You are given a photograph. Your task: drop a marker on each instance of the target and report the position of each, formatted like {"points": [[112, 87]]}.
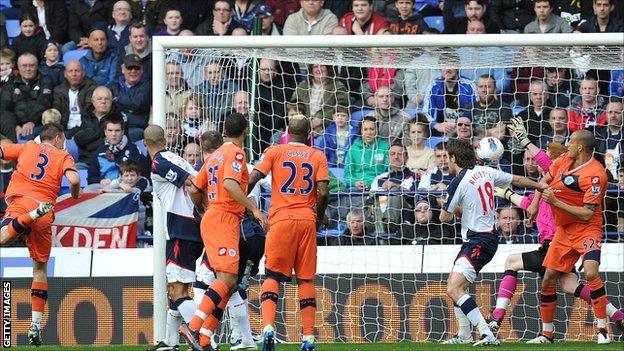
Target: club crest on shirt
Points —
{"points": [[232, 252], [595, 190], [568, 180], [171, 176], [237, 166]]}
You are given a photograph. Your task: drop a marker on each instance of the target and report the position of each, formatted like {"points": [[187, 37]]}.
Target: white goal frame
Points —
{"points": [[161, 43]]}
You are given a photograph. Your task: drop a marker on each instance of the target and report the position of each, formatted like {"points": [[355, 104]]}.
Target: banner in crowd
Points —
{"points": [[351, 308], [97, 221]]}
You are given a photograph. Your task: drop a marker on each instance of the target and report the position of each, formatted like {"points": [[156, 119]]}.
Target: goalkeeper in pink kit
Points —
{"points": [[532, 260]]}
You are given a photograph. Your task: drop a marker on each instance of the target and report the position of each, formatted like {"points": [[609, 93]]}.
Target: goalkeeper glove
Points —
{"points": [[503, 193], [518, 131]]}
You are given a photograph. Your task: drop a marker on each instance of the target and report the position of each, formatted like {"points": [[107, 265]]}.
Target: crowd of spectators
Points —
{"points": [[383, 129]]}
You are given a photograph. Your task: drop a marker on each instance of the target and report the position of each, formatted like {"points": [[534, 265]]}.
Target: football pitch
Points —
{"points": [[568, 346]]}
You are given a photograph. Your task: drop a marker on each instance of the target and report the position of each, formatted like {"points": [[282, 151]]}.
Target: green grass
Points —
{"points": [[568, 346]]}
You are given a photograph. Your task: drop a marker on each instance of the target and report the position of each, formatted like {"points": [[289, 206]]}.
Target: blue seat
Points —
{"points": [[436, 22], [433, 141], [73, 55], [72, 148], [12, 28], [412, 111], [357, 116], [338, 172], [83, 180], [141, 146]]}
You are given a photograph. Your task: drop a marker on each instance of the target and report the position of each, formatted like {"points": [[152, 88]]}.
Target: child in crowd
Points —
{"points": [[52, 65], [316, 125], [192, 117], [420, 156], [173, 22], [130, 181], [48, 116], [7, 62], [337, 138], [31, 38]]}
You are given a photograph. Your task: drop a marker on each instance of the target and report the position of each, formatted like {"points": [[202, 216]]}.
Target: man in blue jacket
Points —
{"points": [[99, 63], [132, 94], [445, 98]]}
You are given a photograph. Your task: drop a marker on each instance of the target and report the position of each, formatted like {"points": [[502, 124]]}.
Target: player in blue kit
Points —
{"points": [[171, 174], [471, 196]]}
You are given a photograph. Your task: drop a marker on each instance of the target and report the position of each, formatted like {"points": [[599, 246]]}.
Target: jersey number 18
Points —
{"points": [[487, 198]]}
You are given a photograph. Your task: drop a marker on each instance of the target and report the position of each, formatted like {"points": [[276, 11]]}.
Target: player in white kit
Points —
{"points": [[471, 196]]}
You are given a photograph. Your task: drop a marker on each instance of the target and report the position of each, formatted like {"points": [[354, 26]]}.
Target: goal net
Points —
{"points": [[386, 281]]}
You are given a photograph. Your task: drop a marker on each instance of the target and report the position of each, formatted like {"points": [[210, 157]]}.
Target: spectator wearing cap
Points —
{"points": [[265, 12], [141, 45], [73, 97], [282, 9], [85, 16], [362, 20], [312, 19], [53, 18], [99, 63], [221, 22], [133, 96], [119, 31]]}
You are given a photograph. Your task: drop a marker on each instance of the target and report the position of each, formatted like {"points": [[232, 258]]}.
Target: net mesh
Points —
{"points": [[392, 287]]}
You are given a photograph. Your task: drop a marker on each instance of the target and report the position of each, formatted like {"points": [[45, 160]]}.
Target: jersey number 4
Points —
{"points": [[488, 198], [287, 187], [41, 167]]}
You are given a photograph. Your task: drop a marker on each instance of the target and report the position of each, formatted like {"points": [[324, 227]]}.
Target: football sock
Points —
{"points": [[307, 307], [582, 291], [465, 330], [239, 316], [38, 298], [270, 290], [598, 298], [548, 305], [211, 323], [174, 320], [469, 306], [217, 291], [187, 308], [199, 289], [506, 291]]}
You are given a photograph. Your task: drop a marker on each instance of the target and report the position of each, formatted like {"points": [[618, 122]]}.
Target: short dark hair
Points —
{"points": [[114, 118], [27, 16], [50, 131], [463, 151], [235, 125], [129, 166], [443, 146], [138, 25], [367, 119], [211, 140], [550, 3], [420, 120], [480, 2]]}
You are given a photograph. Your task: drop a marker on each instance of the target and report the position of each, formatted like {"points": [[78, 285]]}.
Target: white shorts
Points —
{"points": [[178, 274], [464, 267]]}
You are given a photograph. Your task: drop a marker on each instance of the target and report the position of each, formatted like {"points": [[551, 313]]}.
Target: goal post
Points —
{"points": [[508, 50]]}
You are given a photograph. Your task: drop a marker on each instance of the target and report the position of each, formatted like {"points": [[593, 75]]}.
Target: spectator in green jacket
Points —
{"points": [[367, 157]]}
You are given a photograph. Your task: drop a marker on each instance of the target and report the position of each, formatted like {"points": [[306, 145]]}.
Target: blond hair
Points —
{"points": [[50, 115]]}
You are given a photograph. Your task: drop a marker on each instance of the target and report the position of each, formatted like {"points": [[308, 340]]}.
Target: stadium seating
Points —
{"points": [[357, 116], [436, 22], [13, 29], [73, 55], [433, 141], [141, 146], [72, 148]]}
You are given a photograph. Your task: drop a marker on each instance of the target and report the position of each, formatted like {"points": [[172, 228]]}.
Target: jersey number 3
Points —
{"points": [[41, 167], [307, 178], [489, 196]]}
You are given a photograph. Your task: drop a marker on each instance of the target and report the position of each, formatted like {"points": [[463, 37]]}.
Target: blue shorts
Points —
{"points": [[183, 253], [475, 254]]}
